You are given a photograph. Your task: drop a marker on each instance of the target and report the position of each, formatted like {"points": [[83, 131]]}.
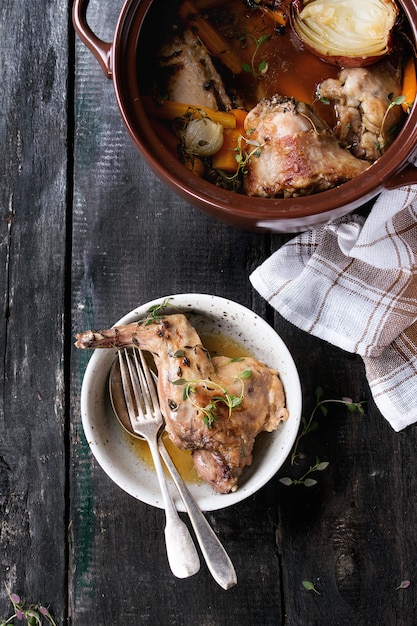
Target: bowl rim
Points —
{"points": [[100, 425]]}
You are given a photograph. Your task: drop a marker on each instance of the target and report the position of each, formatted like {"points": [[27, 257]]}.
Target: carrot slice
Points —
{"points": [[224, 159], [169, 110], [240, 115], [409, 85], [276, 16], [214, 41]]}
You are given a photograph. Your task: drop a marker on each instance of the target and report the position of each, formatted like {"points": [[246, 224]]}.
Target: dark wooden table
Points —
{"points": [[87, 234]]}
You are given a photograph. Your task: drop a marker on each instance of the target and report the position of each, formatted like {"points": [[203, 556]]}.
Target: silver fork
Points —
{"points": [[217, 559], [146, 419]]}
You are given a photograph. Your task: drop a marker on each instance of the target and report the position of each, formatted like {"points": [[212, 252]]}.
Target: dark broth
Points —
{"points": [[292, 71]]}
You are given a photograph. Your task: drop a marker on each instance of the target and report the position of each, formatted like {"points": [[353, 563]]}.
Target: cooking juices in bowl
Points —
{"points": [[216, 344], [242, 57]]}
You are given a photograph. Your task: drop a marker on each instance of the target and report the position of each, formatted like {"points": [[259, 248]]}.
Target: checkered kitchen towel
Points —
{"points": [[353, 283]]}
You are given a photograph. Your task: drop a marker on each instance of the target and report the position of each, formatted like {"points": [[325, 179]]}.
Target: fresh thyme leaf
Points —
{"points": [[263, 65], [309, 586], [242, 158], [209, 411], [154, 310], [235, 401], [178, 354], [263, 39], [251, 142], [319, 393], [403, 585], [33, 614], [398, 100], [308, 426], [323, 409]]}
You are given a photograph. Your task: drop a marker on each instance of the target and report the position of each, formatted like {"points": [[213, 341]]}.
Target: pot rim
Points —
{"points": [[349, 195]]}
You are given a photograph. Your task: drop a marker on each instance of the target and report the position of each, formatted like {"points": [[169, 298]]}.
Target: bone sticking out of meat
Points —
{"points": [[293, 152], [189, 75], [361, 98], [221, 451]]}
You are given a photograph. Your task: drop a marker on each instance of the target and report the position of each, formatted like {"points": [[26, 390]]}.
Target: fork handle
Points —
{"points": [[181, 551], [216, 557]]}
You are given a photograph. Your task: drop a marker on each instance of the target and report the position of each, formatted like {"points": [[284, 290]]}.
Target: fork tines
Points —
{"points": [[138, 386]]}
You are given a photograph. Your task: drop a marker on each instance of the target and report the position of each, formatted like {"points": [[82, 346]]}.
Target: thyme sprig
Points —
{"points": [[242, 157], [309, 426], [306, 479], [154, 311], [392, 103], [263, 65], [209, 412], [34, 614]]}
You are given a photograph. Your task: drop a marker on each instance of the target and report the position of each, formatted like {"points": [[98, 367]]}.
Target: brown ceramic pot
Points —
{"points": [[121, 62]]}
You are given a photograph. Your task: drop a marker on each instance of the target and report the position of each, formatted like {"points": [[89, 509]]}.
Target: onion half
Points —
{"points": [[345, 32]]}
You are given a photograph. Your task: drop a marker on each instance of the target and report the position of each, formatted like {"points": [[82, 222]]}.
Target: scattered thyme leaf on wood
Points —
{"points": [[309, 586], [309, 426], [34, 614], [306, 480], [404, 584]]}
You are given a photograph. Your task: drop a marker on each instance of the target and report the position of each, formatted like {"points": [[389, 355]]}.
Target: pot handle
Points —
{"points": [[101, 49], [407, 176]]}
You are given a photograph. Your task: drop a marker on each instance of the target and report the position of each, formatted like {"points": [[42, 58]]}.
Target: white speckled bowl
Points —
{"points": [[210, 315]]}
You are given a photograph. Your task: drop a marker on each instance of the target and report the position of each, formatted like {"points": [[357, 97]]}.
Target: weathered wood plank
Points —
{"points": [[351, 534], [33, 191], [133, 240]]}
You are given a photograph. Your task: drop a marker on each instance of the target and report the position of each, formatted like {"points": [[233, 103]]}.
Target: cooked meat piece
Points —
{"points": [[220, 459], [221, 451], [361, 99], [189, 75], [297, 155]]}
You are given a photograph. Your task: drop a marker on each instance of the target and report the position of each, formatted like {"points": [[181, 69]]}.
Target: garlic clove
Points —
{"points": [[202, 137]]}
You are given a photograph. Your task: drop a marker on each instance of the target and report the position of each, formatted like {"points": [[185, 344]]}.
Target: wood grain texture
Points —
{"points": [[33, 200], [88, 233]]}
